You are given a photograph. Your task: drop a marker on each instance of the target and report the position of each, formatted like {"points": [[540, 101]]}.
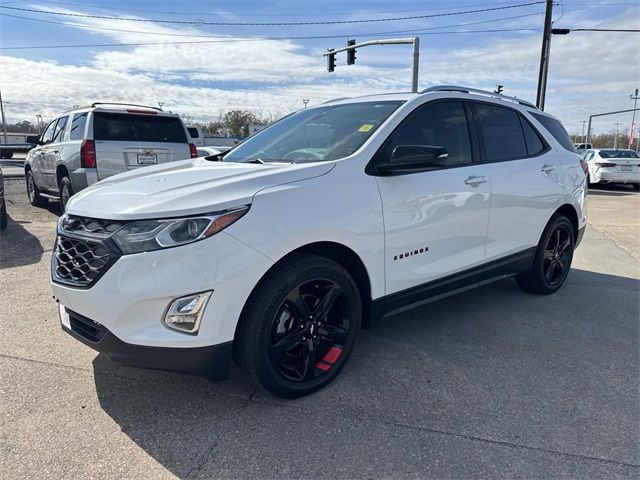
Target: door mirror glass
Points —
{"points": [[415, 158]]}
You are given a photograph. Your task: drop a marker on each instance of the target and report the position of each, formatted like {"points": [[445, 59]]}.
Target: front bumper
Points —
{"points": [[212, 362]]}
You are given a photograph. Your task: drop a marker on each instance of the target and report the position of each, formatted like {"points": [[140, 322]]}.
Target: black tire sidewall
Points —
{"points": [[35, 201], [271, 292], [538, 261], [65, 183], [3, 215]]}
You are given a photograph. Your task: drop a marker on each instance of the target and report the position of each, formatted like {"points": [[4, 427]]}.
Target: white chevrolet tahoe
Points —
{"points": [[277, 252]]}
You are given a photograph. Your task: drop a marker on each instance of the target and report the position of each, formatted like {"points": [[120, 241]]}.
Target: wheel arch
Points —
{"points": [[570, 212], [340, 254], [61, 172]]}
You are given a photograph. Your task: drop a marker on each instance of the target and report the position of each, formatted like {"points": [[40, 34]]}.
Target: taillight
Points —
{"points": [[194, 150], [585, 166], [88, 154], [605, 164]]}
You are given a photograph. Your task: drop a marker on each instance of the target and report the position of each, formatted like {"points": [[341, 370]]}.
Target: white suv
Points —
{"points": [[91, 143], [278, 251]]}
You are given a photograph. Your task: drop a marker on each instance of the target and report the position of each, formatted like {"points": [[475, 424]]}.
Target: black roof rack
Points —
{"points": [[124, 105], [456, 88]]}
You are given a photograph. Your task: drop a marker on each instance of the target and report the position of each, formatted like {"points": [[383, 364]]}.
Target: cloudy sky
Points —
{"points": [[183, 54]]}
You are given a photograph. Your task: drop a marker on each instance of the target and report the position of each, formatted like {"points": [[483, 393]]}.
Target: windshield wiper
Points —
{"points": [[215, 158]]}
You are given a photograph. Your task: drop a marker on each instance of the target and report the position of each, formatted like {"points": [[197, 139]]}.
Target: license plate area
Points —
{"points": [[626, 168], [147, 159]]}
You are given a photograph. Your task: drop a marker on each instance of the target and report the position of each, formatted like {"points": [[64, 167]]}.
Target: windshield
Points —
{"points": [[315, 135], [618, 154]]}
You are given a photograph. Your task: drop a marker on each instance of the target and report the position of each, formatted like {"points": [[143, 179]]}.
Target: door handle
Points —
{"points": [[474, 181], [548, 168]]}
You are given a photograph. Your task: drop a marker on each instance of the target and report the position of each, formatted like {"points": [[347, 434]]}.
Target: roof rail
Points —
{"points": [[456, 88], [124, 105], [335, 100]]}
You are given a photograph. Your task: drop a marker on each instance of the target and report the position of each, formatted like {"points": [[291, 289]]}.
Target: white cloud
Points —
{"points": [[590, 72]]}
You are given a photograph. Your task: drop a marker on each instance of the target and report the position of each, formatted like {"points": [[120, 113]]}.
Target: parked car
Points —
{"points": [[581, 147], [92, 143], [3, 204], [208, 151], [610, 165], [324, 222]]}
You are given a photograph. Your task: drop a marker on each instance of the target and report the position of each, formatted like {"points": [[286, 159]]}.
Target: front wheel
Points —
{"points": [[33, 192], [552, 260], [299, 326]]}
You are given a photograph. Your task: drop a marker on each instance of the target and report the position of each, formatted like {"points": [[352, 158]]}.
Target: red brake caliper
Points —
{"points": [[329, 359]]}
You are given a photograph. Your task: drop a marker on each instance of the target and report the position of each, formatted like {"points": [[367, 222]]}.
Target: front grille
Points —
{"points": [[94, 226], [79, 262], [86, 328]]}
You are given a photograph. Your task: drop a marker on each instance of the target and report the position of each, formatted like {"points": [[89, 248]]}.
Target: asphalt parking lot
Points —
{"points": [[492, 383]]}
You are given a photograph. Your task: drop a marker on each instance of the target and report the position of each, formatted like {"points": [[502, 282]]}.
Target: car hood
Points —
{"points": [[185, 188]]}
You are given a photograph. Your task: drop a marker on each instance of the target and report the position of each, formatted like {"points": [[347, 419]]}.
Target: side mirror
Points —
{"points": [[413, 159]]}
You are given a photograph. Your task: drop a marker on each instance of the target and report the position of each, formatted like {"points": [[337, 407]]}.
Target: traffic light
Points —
{"points": [[499, 89], [351, 53], [331, 60]]}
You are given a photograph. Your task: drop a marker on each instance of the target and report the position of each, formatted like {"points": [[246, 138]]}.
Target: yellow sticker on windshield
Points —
{"points": [[366, 127]]}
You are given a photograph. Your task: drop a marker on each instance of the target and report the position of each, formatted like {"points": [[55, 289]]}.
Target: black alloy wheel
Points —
{"points": [[557, 255], [299, 326], [552, 259], [309, 330]]}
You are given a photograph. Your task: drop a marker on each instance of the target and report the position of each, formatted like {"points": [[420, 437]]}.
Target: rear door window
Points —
{"points": [[556, 129], [77, 126], [193, 132], [502, 133], [535, 145], [138, 128], [59, 131]]}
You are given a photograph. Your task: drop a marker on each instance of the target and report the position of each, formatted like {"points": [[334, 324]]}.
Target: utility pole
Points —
{"points": [[305, 101], [584, 122], [4, 123], [615, 137], [544, 56], [633, 97]]}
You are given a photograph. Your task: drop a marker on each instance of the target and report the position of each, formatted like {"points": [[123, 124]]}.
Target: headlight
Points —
{"points": [[146, 235]]}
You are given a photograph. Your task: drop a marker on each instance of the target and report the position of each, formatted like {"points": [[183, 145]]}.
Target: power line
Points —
{"points": [[274, 24], [92, 27], [244, 13], [604, 30], [253, 39]]}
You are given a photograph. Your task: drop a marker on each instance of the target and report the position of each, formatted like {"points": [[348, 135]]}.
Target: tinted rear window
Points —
{"points": [[618, 154], [137, 128], [502, 133], [556, 129]]}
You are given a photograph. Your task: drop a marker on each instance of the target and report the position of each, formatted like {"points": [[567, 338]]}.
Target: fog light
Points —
{"points": [[184, 313]]}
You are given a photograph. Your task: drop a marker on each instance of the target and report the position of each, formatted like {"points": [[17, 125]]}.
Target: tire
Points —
{"points": [[66, 192], [552, 260], [33, 192], [636, 187], [286, 342], [589, 184], [3, 215]]}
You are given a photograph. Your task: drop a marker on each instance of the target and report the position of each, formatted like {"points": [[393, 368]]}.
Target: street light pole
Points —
{"points": [[584, 122], [615, 137]]}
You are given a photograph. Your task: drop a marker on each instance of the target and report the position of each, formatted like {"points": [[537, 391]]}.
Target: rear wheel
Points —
{"points": [[636, 187], [552, 260], [33, 192], [66, 191], [300, 326]]}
